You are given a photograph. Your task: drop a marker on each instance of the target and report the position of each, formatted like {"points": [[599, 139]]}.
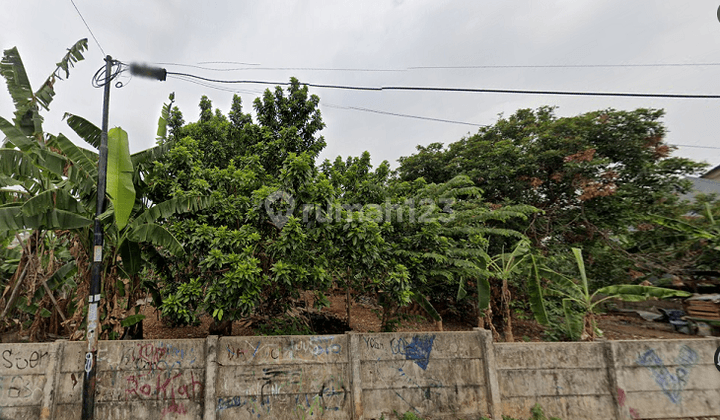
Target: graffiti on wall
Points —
{"points": [[17, 385], [151, 371], [282, 390], [282, 378], [418, 349], [309, 349], [421, 391], [672, 384]]}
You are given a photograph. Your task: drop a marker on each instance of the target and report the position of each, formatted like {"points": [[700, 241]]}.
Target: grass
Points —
{"points": [[536, 413]]}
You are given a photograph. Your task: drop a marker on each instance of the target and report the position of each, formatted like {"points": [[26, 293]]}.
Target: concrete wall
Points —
{"points": [[432, 374], [569, 380], [282, 378], [364, 376]]}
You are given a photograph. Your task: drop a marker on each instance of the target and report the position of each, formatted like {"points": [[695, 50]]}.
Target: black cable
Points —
{"points": [[698, 147], [228, 62], [395, 114], [203, 67], [562, 66], [208, 85], [375, 111], [325, 104], [466, 90], [257, 82], [554, 92], [100, 79], [500, 66], [88, 28]]}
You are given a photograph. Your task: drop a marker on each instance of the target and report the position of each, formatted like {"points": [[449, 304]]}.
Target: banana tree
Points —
{"points": [[34, 198], [579, 305], [134, 236]]}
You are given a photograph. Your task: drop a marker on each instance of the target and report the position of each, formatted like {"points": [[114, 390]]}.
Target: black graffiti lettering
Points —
{"points": [[7, 353], [35, 358], [372, 343], [19, 360]]}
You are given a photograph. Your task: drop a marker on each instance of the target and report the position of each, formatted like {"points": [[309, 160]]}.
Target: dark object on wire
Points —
{"points": [[142, 70]]}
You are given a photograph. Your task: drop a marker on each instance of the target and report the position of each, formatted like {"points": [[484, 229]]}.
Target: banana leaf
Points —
{"points": [[120, 185], [636, 293], [157, 236], [427, 306], [537, 302]]}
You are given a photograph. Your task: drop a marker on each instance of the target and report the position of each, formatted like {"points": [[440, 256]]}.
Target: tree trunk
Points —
{"points": [[507, 330], [347, 302]]}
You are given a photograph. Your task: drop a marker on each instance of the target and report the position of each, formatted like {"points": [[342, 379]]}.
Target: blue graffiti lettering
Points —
{"points": [[418, 350], [671, 384]]}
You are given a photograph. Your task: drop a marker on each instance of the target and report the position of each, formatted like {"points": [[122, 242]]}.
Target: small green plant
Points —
{"points": [[409, 415], [180, 308], [579, 306], [537, 413]]}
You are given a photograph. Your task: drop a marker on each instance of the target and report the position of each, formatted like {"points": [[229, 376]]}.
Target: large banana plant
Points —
{"points": [[133, 232], [578, 303], [34, 194], [47, 183]]}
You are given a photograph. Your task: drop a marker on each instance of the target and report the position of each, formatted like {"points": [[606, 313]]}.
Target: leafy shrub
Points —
{"points": [[285, 325], [181, 307]]}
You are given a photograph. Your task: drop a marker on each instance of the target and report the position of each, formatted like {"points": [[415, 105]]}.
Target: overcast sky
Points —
{"points": [[382, 35]]}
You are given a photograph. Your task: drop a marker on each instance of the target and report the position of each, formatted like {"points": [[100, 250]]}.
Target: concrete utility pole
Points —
{"points": [[93, 331], [88, 393]]}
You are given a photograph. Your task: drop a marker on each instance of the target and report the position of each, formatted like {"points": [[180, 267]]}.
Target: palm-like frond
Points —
{"points": [[120, 176], [13, 219], [16, 137], [84, 128], [18, 84], [156, 235], [47, 200], [171, 207], [45, 94], [76, 154]]}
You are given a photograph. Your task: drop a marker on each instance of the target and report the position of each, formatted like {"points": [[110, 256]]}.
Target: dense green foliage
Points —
{"points": [[234, 216], [281, 225], [595, 176]]}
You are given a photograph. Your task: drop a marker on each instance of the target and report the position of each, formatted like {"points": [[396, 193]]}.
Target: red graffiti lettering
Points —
{"points": [[146, 389]]}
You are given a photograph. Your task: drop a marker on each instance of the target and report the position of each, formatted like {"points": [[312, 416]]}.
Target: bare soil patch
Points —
{"points": [[365, 318]]}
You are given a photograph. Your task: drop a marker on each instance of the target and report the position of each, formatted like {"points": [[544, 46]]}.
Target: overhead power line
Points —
{"points": [[396, 114], [88, 28], [562, 66], [375, 111], [228, 62], [464, 90], [412, 68], [697, 147], [325, 104]]}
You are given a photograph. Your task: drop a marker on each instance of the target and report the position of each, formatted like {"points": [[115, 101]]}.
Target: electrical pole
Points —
{"points": [[89, 382], [93, 326]]}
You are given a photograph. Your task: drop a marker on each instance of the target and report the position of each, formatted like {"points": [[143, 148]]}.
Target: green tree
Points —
{"points": [[588, 174], [240, 256]]}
